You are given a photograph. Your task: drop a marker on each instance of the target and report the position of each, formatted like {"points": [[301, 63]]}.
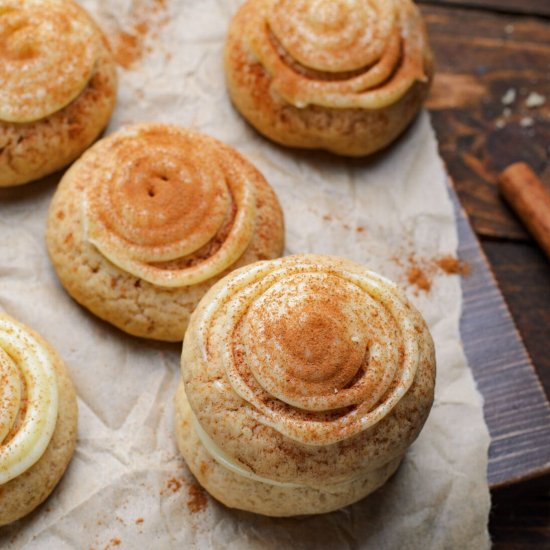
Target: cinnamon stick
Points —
{"points": [[526, 194]]}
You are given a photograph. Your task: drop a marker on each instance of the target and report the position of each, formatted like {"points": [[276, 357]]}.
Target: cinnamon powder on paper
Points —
{"points": [[197, 500], [418, 278], [174, 484], [421, 271], [129, 45], [453, 266]]}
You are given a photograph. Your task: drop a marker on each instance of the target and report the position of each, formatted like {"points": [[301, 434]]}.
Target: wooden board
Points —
{"points": [[488, 64], [534, 7], [516, 409], [523, 274]]}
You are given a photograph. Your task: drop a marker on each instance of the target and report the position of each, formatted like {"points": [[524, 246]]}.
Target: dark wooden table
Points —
{"points": [[492, 55]]}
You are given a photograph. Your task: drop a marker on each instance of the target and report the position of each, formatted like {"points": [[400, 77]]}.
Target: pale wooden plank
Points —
{"points": [[516, 409]]}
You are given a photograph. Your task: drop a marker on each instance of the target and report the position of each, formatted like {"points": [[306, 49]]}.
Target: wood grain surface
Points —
{"points": [[535, 7], [520, 516], [524, 278], [516, 409], [484, 48], [488, 64]]}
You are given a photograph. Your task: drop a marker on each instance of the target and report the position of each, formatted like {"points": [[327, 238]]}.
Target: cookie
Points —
{"points": [[347, 76], [304, 382], [150, 218], [58, 86], [38, 419]]}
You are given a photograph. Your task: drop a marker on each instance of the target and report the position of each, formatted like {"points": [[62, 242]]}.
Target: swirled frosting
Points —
{"points": [[168, 205], [48, 50], [317, 348], [338, 53], [28, 399]]}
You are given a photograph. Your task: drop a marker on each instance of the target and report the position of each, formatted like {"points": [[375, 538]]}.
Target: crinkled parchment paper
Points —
{"points": [[126, 486]]}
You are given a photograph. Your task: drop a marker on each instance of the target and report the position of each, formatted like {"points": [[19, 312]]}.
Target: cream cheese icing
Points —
{"points": [[28, 399]]}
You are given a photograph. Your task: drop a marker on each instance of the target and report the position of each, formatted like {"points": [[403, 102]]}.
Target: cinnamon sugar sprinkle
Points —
{"points": [[417, 277], [197, 500], [129, 45], [173, 485], [421, 271], [453, 266]]}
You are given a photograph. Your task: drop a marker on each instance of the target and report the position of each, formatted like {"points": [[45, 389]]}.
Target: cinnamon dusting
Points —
{"points": [[197, 500], [453, 266], [417, 277], [173, 485], [22, 412], [127, 48], [130, 45], [421, 271]]}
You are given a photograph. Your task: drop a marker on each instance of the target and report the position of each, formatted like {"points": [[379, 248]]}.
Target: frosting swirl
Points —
{"points": [[316, 348], [168, 205], [339, 53], [28, 399], [48, 50]]}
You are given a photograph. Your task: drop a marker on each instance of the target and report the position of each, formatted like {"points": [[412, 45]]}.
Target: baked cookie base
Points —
{"points": [[236, 491]]}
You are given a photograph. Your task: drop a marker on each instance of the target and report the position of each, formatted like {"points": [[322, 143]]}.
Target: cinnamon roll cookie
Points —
{"points": [[149, 218], [304, 381], [343, 75], [38, 419], [57, 86]]}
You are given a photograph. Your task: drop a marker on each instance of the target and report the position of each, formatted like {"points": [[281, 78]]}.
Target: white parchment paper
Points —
{"points": [[127, 487]]}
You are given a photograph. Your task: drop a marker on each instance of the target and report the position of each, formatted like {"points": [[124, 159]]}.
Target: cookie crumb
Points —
{"points": [[526, 122], [535, 100], [509, 97], [197, 500]]}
